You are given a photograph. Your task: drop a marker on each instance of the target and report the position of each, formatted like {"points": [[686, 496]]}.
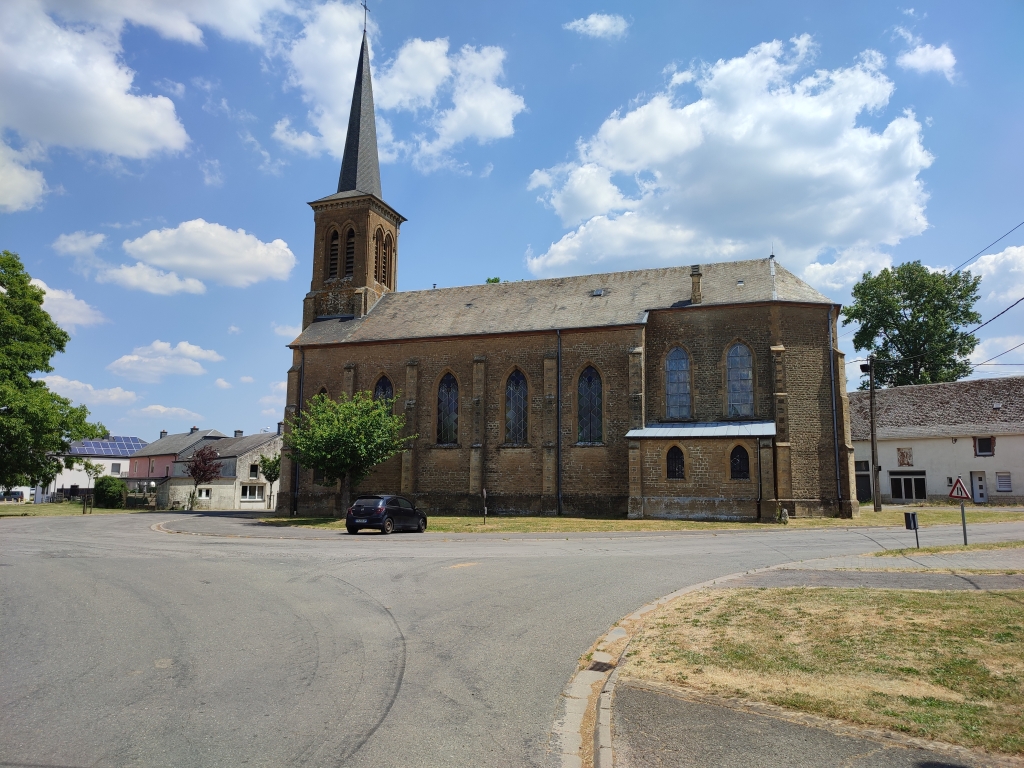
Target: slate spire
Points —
{"points": [[360, 166]]}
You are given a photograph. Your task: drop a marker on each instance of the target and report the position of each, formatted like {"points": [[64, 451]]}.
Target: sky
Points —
{"points": [[156, 160]]}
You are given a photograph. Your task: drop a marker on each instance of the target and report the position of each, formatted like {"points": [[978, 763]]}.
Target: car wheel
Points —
{"points": [[351, 529], [423, 525], [388, 527]]}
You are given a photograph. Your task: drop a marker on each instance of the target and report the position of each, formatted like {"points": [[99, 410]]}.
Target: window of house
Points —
{"points": [[254, 471], [135, 467], [1003, 484], [152, 466], [677, 385], [515, 408], [908, 486], [332, 254], [984, 446], [589, 401], [448, 411], [384, 389], [252, 492], [115, 469], [739, 464], [675, 468], [862, 466], [740, 379], [203, 493], [350, 252]]}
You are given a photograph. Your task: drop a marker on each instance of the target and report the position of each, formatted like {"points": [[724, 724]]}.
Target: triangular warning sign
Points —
{"points": [[960, 490]]}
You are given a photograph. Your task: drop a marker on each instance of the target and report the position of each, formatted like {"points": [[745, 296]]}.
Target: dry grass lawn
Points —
{"points": [[941, 665], [948, 549], [57, 510]]}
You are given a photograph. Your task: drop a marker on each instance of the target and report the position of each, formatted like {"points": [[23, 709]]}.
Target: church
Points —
{"points": [[707, 392]]}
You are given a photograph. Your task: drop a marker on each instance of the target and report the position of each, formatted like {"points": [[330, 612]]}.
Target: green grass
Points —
{"points": [[56, 510], [949, 548]]}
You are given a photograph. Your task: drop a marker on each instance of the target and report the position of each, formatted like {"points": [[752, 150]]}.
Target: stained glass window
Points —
{"points": [[739, 464], [677, 385], [739, 363], [589, 410], [515, 408], [676, 470], [384, 390], [448, 411]]}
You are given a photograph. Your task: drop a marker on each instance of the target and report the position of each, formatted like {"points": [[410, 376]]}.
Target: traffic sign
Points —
{"points": [[960, 490]]}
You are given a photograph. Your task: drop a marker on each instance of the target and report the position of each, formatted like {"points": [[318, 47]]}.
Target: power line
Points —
{"points": [[1001, 354], [987, 247]]}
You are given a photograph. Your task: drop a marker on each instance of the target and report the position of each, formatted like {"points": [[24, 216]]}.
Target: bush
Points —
{"points": [[109, 493]]}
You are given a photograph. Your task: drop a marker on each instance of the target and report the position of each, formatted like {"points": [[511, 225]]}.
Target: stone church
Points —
{"points": [[708, 391]]}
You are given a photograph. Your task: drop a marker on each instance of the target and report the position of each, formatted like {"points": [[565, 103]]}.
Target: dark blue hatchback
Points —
{"points": [[384, 513]]}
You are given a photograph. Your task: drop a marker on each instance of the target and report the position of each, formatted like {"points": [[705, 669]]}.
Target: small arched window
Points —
{"points": [[740, 378], [389, 257], [676, 470], [384, 389], [332, 255], [739, 464], [515, 408], [589, 406], [448, 411], [350, 252], [677, 384], [378, 256]]}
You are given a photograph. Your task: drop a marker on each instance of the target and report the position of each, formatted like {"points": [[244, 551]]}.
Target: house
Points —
{"points": [[149, 466], [705, 391], [112, 453], [931, 434], [241, 484]]}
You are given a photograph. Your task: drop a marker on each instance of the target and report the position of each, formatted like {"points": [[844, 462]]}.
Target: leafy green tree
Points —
{"points": [[109, 492], [202, 467], [344, 440], [493, 279], [36, 426], [911, 319], [270, 466]]}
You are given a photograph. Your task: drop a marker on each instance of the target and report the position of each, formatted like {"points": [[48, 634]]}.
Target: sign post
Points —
{"points": [[483, 492], [960, 492]]}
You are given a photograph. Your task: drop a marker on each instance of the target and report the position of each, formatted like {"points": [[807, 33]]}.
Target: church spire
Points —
{"points": [[360, 167]]}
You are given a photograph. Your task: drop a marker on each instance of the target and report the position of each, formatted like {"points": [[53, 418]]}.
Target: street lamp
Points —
{"points": [[876, 494]]}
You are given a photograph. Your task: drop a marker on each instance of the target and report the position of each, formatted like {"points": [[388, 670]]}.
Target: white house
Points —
{"points": [[111, 453], [931, 434]]}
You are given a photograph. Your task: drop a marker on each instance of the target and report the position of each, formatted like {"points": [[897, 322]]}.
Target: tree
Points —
{"points": [[910, 319], [346, 439], [270, 466], [37, 426], [91, 469], [493, 279], [110, 492], [202, 467]]}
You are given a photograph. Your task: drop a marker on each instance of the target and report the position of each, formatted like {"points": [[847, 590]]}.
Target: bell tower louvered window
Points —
{"points": [[677, 385], [332, 255], [515, 408], [350, 253], [378, 257], [589, 399], [740, 378], [389, 256], [448, 411], [384, 389]]}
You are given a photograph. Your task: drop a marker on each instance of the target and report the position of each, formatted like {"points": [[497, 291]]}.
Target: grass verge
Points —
{"points": [[941, 665], [947, 549], [57, 510]]}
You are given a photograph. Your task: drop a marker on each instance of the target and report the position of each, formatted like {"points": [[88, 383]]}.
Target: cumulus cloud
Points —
{"points": [[67, 311], [928, 58], [21, 187], [165, 412], [246, 379], [154, 361], [413, 78], [288, 331], [768, 152], [1002, 273], [222, 384], [142, 277], [602, 25], [81, 392], [78, 244], [234, 329]]}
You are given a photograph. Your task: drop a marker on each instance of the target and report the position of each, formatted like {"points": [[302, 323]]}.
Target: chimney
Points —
{"points": [[280, 427], [238, 433], [695, 278], [163, 433], [193, 430]]}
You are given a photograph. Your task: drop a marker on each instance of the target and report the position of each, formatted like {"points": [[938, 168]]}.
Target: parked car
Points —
{"points": [[385, 513], [13, 496]]}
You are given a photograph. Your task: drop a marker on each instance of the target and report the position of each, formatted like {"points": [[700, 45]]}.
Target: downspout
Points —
{"points": [[835, 423], [298, 410], [558, 421]]}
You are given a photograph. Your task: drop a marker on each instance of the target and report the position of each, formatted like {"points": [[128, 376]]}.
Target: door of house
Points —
{"points": [[979, 487], [908, 486]]}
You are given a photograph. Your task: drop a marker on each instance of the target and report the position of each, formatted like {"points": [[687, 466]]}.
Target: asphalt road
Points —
{"points": [[123, 646]]}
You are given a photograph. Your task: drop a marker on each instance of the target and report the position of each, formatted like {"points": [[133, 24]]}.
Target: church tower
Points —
{"points": [[355, 246]]}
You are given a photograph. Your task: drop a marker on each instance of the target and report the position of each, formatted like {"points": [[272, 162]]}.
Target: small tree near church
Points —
{"points": [[203, 467], [346, 439]]}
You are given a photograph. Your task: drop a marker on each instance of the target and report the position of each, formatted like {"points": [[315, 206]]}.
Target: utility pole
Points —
{"points": [[876, 493]]}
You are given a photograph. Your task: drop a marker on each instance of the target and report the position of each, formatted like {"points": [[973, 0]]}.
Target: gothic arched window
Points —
{"points": [[384, 389], [378, 256], [350, 252], [448, 411], [740, 378], [589, 406], [677, 384], [739, 464], [332, 255], [515, 408], [389, 255], [676, 470]]}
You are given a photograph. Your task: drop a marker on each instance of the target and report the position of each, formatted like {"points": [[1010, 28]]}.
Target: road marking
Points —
{"points": [[462, 565]]}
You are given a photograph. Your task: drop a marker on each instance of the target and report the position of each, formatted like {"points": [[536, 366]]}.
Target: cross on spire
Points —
{"points": [[366, 10]]}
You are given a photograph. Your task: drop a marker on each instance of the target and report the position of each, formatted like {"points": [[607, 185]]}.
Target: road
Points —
{"points": [[123, 645]]}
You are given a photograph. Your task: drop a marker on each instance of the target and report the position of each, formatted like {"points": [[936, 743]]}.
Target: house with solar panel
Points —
{"points": [[154, 464], [112, 453]]}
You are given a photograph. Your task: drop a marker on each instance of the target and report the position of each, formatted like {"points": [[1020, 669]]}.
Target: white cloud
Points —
{"points": [[1002, 273], [222, 384], [269, 165], [21, 187], [154, 361], [78, 244], [764, 154], [278, 390], [848, 267], [201, 250], [288, 331], [989, 348], [212, 176], [270, 411], [67, 311], [928, 58], [165, 412], [602, 25], [81, 392], [234, 329], [172, 87], [247, 379], [412, 79]]}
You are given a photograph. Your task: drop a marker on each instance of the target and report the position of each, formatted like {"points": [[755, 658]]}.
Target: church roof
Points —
{"points": [[360, 166], [587, 301]]}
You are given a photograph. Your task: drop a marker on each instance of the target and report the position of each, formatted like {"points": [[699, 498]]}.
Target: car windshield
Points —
{"points": [[368, 502]]}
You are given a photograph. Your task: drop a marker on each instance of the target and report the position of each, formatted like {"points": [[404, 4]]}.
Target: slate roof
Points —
{"points": [[956, 409], [561, 302], [230, 447], [175, 444], [360, 166]]}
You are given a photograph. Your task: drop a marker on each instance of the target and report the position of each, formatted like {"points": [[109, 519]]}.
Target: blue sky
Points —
{"points": [[157, 158]]}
